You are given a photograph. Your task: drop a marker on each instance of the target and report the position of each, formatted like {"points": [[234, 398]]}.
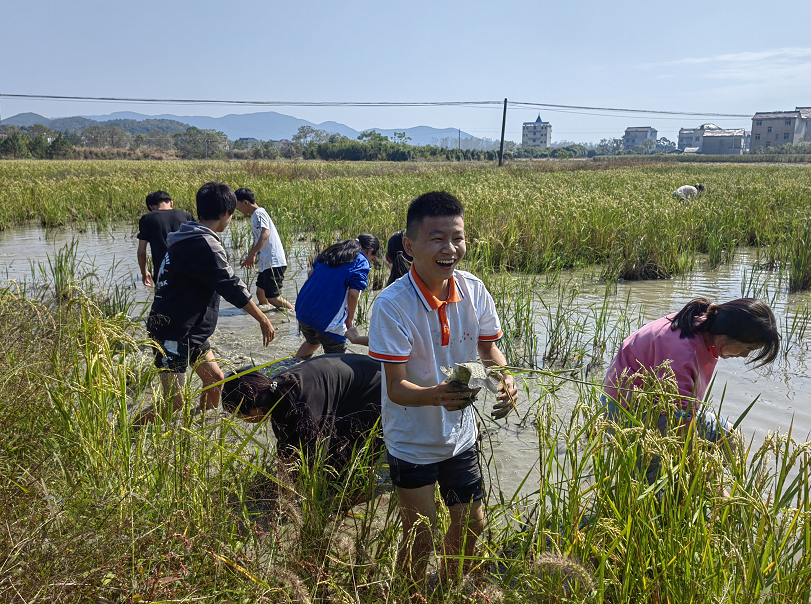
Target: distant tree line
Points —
{"points": [[110, 140], [607, 146], [34, 141], [41, 142], [311, 143]]}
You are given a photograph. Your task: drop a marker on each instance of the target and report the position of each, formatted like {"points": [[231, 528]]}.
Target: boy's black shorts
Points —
{"points": [[459, 478], [331, 345], [177, 356], [270, 280]]}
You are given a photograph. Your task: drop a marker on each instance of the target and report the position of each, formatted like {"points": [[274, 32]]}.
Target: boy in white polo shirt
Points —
{"points": [[432, 317]]}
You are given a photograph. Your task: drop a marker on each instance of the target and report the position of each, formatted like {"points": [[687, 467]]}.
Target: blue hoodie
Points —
{"points": [[321, 303]]}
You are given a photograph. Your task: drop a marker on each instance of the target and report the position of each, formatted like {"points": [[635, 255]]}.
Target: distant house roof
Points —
{"points": [[725, 132], [805, 112], [640, 129], [537, 121], [761, 115], [701, 128], [285, 142]]}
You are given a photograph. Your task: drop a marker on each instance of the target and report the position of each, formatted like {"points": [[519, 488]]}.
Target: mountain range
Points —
{"points": [[265, 125]]}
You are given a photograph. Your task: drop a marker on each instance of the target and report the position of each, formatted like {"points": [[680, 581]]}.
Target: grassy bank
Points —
{"points": [[534, 217], [192, 511]]}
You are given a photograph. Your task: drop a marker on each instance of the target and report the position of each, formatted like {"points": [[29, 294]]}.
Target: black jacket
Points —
{"points": [[332, 395], [192, 277]]}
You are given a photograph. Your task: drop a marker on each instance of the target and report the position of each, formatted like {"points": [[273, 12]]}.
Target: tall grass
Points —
{"points": [[535, 217], [192, 510]]}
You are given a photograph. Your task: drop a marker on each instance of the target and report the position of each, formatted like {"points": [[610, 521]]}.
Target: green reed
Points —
{"points": [[198, 507], [800, 256], [534, 217], [190, 508]]}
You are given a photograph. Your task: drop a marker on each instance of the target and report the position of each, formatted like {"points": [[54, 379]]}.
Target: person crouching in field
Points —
{"points": [[692, 340], [332, 399], [435, 317], [326, 304], [685, 192], [193, 275], [267, 253]]}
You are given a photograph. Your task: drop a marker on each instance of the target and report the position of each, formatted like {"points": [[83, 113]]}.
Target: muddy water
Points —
{"points": [[783, 389]]}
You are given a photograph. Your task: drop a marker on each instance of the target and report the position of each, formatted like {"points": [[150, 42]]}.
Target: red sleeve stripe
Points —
{"points": [[389, 358], [498, 336]]}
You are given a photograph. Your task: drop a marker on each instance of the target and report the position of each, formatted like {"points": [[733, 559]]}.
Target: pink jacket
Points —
{"points": [[691, 361]]}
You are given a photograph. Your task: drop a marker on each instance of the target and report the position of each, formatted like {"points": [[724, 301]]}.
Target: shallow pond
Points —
{"points": [[574, 298]]}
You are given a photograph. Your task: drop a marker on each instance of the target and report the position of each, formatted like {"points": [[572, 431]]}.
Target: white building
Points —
{"points": [[537, 133], [693, 138], [776, 128], [635, 136], [724, 141]]}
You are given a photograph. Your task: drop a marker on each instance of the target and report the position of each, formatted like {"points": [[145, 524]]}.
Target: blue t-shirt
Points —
{"points": [[321, 303]]}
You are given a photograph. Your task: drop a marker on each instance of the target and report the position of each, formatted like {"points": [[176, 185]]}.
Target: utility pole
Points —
{"points": [[460, 138], [503, 125]]}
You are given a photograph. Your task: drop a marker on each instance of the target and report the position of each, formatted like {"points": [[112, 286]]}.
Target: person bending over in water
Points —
{"points": [[326, 304], [686, 192], [333, 397], [693, 340]]}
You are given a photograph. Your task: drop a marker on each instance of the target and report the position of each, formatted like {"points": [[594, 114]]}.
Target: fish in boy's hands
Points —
{"points": [[473, 377]]}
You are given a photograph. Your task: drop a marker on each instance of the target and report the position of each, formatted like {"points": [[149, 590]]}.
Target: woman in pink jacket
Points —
{"points": [[692, 340]]}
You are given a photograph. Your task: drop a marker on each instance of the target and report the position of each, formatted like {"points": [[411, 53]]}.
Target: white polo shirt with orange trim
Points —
{"points": [[409, 325]]}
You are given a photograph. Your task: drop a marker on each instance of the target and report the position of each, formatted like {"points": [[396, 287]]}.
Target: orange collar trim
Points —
{"points": [[433, 301]]}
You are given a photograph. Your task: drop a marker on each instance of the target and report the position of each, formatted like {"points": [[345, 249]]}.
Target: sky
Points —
{"points": [[713, 56]]}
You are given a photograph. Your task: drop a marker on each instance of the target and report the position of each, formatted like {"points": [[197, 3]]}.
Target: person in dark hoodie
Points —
{"points": [[192, 277], [332, 398]]}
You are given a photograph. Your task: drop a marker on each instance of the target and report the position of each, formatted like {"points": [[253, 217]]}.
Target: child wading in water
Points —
{"points": [[693, 340], [154, 228], [434, 317], [267, 253], [326, 304], [193, 276]]}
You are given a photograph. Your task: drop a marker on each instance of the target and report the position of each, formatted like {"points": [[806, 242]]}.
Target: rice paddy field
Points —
{"points": [[577, 255]]}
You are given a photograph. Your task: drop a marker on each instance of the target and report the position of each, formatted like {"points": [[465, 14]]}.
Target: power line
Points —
{"points": [[471, 104], [614, 109], [51, 97]]}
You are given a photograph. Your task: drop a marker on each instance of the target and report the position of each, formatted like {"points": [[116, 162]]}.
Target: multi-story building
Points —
{"points": [[777, 128], [719, 141], [691, 139], [537, 133], [635, 136]]}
